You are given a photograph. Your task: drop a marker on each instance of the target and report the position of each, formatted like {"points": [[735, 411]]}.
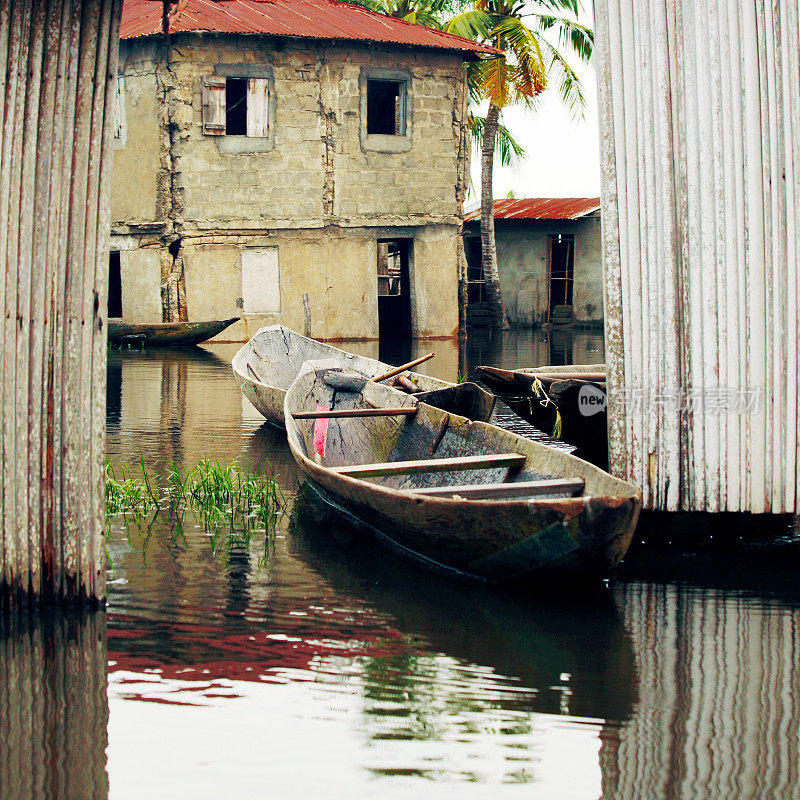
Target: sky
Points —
{"points": [[562, 154]]}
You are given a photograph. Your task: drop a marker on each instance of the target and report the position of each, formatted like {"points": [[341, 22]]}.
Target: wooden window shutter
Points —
{"points": [[257, 106], [119, 108], [214, 105]]}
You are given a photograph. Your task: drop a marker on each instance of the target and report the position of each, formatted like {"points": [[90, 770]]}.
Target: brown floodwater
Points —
{"points": [[306, 665]]}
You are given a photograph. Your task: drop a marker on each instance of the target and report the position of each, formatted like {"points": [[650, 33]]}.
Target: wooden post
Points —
{"points": [[58, 63]]}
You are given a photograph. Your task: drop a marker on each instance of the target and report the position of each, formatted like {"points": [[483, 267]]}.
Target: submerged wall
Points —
{"points": [[700, 127]]}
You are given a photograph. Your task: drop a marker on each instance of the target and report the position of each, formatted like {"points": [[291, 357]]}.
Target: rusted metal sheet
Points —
{"points": [[314, 19], [60, 58], [540, 208], [700, 159]]}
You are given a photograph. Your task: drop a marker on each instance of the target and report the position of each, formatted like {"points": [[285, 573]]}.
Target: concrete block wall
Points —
{"points": [[316, 190], [337, 269], [523, 263]]}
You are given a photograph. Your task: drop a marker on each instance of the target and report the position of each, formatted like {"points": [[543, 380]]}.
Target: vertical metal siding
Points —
{"points": [[700, 155], [57, 66]]}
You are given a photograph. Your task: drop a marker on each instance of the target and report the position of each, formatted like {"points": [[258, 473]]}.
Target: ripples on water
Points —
{"points": [[320, 665]]}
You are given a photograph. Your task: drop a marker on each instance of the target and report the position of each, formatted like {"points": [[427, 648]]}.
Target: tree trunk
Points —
{"points": [[488, 248]]}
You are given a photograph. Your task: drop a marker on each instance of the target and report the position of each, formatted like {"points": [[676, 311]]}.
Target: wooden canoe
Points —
{"points": [[165, 334], [465, 497], [537, 394], [266, 366]]}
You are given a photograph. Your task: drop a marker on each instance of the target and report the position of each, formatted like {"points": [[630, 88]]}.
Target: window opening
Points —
{"points": [[562, 263], [386, 113], [114, 285], [236, 106], [476, 281]]}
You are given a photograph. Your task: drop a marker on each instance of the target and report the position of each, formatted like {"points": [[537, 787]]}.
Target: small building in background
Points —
{"points": [[297, 161], [548, 258]]}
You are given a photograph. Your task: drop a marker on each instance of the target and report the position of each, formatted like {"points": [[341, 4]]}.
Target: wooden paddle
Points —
{"points": [[397, 370]]}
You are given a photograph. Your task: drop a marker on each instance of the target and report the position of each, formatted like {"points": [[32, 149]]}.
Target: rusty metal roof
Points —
{"points": [[540, 208], [314, 19]]}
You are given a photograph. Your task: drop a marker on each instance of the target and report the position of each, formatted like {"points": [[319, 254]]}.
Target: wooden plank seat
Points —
{"points": [[355, 412], [494, 461], [572, 487]]}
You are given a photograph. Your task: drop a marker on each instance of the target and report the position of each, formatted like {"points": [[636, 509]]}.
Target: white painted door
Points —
{"points": [[261, 292]]}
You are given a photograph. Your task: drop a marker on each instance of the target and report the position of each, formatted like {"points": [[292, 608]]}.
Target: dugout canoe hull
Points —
{"points": [[527, 392], [517, 542], [165, 334], [266, 366]]}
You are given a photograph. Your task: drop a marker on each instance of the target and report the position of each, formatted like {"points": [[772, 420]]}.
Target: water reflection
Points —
{"points": [[553, 658], [318, 665], [53, 707], [719, 685], [175, 406]]}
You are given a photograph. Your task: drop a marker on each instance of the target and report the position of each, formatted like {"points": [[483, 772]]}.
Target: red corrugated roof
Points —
{"points": [[540, 208], [314, 19]]}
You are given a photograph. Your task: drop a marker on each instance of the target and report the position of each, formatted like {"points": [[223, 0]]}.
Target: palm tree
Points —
{"points": [[522, 30], [421, 12]]}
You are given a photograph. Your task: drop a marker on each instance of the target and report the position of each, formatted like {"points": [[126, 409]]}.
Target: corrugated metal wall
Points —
{"points": [[700, 128], [57, 62]]}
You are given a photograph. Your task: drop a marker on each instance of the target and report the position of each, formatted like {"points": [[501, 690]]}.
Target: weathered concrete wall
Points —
{"points": [[318, 96], [523, 260], [317, 187], [141, 282], [137, 154], [336, 268]]}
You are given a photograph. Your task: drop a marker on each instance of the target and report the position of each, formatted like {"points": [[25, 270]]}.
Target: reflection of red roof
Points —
{"points": [[315, 19], [540, 208], [204, 652]]}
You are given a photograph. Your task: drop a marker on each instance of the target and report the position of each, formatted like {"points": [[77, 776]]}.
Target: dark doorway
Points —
{"points": [[476, 285], [394, 289], [562, 263], [114, 285]]}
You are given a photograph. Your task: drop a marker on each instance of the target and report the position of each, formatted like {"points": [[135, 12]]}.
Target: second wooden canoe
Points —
{"points": [[567, 402], [466, 497], [266, 366], [165, 334]]}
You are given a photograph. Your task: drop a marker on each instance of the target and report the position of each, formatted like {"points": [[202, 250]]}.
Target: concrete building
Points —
{"points": [[294, 161], [548, 257]]}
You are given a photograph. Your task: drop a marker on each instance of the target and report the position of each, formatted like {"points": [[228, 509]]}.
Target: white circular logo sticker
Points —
{"points": [[591, 400]]}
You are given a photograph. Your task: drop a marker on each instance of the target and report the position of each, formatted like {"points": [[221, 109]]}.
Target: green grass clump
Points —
{"points": [[228, 502]]}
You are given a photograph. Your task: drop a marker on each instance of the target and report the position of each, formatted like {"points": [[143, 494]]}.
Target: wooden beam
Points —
{"points": [[597, 377], [569, 486], [432, 465], [397, 370], [355, 412]]}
